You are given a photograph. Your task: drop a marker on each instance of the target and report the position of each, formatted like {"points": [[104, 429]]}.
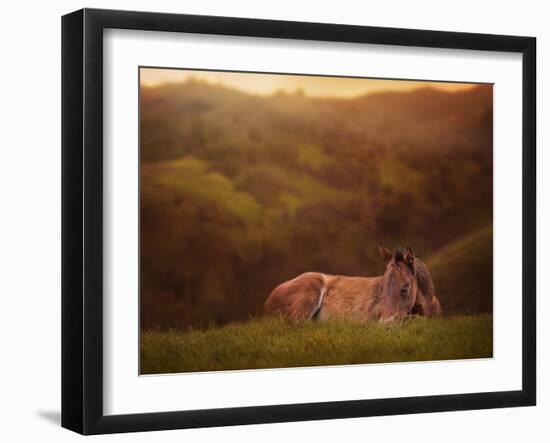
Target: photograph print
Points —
{"points": [[300, 220]]}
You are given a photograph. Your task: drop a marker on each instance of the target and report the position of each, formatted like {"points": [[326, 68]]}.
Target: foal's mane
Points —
{"points": [[424, 279]]}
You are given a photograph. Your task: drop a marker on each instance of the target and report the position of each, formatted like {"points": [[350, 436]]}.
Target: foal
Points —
{"points": [[405, 289]]}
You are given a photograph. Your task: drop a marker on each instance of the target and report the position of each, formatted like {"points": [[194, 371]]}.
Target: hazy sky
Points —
{"points": [[267, 84]]}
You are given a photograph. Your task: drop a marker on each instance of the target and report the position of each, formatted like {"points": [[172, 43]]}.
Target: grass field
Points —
{"points": [[271, 343]]}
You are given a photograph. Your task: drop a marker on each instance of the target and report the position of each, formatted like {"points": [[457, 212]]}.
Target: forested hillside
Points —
{"points": [[240, 192]]}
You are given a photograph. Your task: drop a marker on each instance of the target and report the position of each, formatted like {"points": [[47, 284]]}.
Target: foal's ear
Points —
{"points": [[408, 255], [385, 253]]}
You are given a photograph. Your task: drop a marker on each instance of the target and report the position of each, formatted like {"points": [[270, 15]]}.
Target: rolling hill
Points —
{"points": [[241, 192], [463, 273]]}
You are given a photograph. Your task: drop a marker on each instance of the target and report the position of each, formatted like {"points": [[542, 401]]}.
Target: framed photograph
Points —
{"points": [[268, 221]]}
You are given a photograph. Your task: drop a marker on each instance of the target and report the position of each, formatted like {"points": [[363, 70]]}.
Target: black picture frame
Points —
{"points": [[82, 220]]}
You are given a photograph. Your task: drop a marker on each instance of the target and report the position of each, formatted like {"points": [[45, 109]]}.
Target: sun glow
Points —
{"points": [[268, 84]]}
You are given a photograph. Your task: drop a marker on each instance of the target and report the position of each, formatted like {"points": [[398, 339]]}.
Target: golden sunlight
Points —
{"points": [[267, 84]]}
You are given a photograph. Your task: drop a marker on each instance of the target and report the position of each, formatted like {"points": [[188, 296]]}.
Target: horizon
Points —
{"points": [[260, 84]]}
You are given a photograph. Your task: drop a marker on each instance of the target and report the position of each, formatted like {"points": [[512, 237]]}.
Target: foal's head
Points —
{"points": [[399, 285]]}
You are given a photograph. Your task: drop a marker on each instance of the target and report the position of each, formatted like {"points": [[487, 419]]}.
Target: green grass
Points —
{"points": [[273, 343]]}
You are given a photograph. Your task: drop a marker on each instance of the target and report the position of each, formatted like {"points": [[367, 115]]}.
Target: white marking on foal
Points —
{"points": [[317, 311]]}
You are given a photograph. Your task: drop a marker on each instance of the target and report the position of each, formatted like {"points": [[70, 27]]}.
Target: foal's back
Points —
{"points": [[323, 296]]}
